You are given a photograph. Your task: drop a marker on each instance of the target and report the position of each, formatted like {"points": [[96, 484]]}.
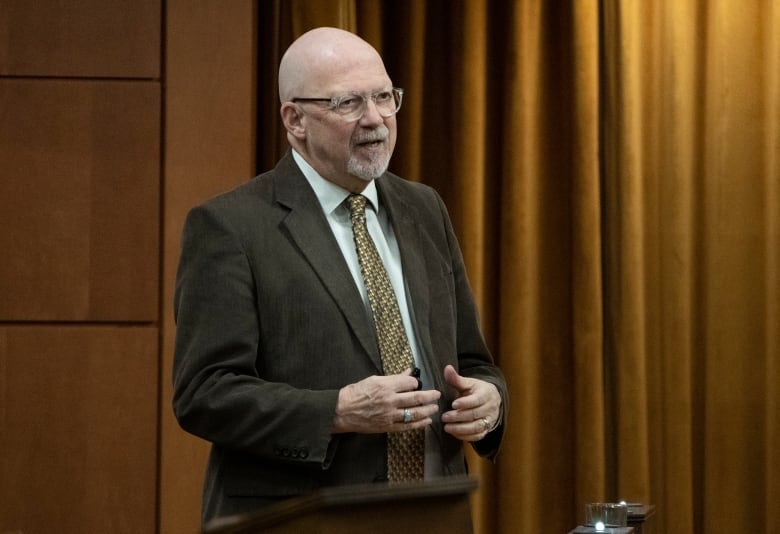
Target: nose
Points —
{"points": [[371, 115]]}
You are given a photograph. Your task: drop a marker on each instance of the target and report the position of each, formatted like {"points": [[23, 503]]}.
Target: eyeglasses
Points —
{"points": [[352, 106]]}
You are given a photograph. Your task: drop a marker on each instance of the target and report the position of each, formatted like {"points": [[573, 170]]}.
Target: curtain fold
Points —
{"points": [[519, 242], [625, 242], [771, 66], [612, 170], [674, 155], [734, 259], [586, 259]]}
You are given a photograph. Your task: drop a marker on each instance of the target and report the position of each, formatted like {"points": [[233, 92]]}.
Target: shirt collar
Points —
{"points": [[329, 194]]}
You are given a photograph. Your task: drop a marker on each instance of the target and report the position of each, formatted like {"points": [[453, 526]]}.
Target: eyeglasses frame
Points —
{"points": [[336, 100]]}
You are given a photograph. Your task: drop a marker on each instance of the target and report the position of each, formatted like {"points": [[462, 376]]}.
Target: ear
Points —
{"points": [[292, 118]]}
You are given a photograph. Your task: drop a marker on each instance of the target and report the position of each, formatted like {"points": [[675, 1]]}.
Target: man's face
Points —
{"points": [[348, 152]]}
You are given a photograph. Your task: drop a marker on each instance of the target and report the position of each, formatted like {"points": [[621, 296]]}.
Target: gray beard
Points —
{"points": [[368, 171]]}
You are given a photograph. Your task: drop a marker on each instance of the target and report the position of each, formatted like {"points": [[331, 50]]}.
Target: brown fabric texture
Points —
{"points": [[612, 170]]}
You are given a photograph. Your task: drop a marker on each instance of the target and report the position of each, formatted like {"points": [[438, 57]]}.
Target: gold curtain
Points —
{"points": [[612, 169]]}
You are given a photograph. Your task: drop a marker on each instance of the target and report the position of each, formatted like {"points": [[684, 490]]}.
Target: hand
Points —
{"points": [[376, 404], [476, 410]]}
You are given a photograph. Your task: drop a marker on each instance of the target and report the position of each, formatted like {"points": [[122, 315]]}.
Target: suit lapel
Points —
{"points": [[309, 229], [406, 226]]}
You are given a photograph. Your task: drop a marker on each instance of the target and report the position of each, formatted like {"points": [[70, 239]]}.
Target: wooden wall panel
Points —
{"points": [[79, 200], [80, 227], [209, 147], [78, 420], [80, 38]]}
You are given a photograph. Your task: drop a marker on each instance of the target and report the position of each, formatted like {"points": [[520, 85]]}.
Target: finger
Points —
{"points": [[415, 413], [463, 415], [419, 397], [480, 393], [407, 415], [411, 420], [472, 421], [468, 403], [471, 431], [403, 382], [486, 424], [452, 377]]}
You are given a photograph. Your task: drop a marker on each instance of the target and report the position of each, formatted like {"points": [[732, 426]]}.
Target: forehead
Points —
{"points": [[362, 74]]}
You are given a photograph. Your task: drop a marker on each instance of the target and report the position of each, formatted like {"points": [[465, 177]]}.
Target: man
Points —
{"points": [[281, 350]]}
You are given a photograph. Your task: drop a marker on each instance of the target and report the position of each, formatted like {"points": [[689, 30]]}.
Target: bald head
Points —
{"points": [[326, 59], [328, 63]]}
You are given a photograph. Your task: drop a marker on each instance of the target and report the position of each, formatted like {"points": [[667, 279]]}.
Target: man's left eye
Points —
{"points": [[384, 96]]}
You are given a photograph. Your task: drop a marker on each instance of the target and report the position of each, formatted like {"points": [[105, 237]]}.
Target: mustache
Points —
{"points": [[379, 134]]}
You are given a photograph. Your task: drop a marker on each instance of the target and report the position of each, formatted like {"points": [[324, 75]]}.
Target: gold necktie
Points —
{"points": [[405, 450]]}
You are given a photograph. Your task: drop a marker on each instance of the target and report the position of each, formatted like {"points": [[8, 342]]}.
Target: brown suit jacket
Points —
{"points": [[270, 325]]}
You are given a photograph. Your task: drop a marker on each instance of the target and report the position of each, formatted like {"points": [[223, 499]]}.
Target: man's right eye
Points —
{"points": [[349, 103]]}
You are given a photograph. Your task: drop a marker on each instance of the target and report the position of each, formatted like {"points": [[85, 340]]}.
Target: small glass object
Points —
{"points": [[601, 515]]}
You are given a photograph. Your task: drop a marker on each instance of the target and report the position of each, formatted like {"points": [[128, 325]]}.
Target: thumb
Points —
{"points": [[452, 377]]}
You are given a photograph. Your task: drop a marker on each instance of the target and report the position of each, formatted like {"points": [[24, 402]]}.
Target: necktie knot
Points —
{"points": [[357, 207]]}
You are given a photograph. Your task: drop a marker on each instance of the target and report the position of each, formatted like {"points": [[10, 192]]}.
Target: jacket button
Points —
{"points": [[304, 453]]}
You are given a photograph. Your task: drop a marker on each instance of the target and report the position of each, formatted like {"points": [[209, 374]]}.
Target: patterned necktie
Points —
{"points": [[405, 450]]}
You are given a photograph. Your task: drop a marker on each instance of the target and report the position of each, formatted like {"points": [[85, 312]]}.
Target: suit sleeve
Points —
{"points": [[474, 358], [218, 393]]}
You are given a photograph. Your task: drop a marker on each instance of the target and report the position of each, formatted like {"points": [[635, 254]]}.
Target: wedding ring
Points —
{"points": [[407, 415], [486, 423]]}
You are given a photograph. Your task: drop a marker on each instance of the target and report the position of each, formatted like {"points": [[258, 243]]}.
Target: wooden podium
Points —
{"points": [[439, 506]]}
